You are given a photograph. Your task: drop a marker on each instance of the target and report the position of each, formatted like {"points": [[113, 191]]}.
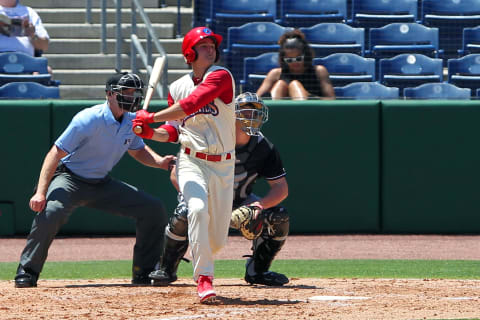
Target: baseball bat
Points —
{"points": [[152, 83]]}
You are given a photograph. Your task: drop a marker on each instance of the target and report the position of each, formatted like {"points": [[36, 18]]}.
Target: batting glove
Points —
{"points": [[147, 131], [145, 116]]}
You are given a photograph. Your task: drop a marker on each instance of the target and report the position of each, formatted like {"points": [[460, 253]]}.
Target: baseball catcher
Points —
{"points": [[259, 219]]}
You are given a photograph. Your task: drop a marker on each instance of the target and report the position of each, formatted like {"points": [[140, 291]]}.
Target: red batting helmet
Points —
{"points": [[193, 37]]}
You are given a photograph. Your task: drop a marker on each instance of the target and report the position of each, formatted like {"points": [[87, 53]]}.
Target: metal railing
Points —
{"points": [[136, 46]]}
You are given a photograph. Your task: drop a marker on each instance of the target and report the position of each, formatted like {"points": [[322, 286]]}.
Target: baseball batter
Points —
{"points": [[202, 103], [256, 157]]}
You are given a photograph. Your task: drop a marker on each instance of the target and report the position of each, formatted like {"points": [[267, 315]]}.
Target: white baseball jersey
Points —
{"points": [[206, 185]]}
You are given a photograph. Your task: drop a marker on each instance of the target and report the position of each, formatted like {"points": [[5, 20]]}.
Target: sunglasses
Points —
{"points": [[294, 59]]}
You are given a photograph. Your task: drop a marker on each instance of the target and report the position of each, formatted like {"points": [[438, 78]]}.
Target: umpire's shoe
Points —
{"points": [[25, 278], [162, 277], [268, 278]]}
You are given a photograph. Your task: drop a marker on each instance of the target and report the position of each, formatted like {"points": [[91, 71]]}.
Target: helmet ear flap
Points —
{"points": [[190, 55]]}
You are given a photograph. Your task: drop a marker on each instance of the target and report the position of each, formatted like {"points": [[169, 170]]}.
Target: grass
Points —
{"points": [[416, 269]]}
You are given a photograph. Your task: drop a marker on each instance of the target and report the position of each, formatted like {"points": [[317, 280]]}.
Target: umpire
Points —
{"points": [[75, 173]]}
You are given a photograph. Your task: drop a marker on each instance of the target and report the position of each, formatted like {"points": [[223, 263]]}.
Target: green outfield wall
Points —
{"points": [[352, 166]]}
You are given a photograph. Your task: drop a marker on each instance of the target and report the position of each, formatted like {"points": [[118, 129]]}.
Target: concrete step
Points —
{"points": [[104, 61], [82, 4], [99, 76], [94, 31], [77, 15], [90, 46], [97, 3]]}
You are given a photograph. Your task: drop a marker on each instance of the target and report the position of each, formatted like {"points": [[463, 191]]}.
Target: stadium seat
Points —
{"points": [[28, 90], [250, 40], [328, 38], [451, 17], [470, 41], [306, 13], [345, 68], [228, 13], [375, 14], [366, 90], [18, 67], [437, 91], [255, 70], [478, 93], [410, 70], [398, 38], [464, 72]]}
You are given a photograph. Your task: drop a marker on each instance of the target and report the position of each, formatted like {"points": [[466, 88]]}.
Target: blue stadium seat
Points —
{"points": [[28, 90], [470, 41], [451, 17], [228, 13], [478, 93], [250, 40], [410, 70], [464, 72], [398, 38], [345, 68], [328, 38], [305, 13], [18, 67], [437, 91], [375, 14], [255, 70], [366, 90]]}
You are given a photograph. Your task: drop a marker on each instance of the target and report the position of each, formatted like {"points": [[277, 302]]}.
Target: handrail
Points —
{"points": [[146, 57]]}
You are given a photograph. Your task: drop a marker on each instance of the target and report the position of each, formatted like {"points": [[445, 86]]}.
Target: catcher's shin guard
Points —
{"points": [[257, 266], [176, 244]]}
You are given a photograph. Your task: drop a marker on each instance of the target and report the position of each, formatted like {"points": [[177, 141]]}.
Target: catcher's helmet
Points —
{"points": [[193, 37], [121, 81], [251, 111]]}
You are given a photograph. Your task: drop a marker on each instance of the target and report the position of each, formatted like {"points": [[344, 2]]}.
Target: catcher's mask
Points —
{"points": [[251, 112], [193, 37], [120, 83]]}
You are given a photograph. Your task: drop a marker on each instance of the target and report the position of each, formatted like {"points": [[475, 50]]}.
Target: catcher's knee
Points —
{"points": [[177, 228], [277, 223]]}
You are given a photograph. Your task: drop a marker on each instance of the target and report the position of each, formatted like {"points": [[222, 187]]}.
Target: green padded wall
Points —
{"points": [[330, 151], [7, 219], [26, 137], [154, 181], [431, 159]]}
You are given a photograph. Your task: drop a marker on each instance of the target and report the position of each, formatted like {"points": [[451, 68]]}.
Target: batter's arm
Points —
{"points": [[38, 200], [277, 193]]}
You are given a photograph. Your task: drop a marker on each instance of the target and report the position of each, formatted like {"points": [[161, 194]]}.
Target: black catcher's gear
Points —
{"points": [[123, 81]]}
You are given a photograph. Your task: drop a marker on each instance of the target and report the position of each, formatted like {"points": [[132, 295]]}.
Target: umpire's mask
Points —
{"points": [[251, 112], [129, 100]]}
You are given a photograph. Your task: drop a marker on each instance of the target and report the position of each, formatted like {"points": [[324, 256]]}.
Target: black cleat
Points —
{"points": [[141, 279], [268, 278], [25, 278], [162, 278]]}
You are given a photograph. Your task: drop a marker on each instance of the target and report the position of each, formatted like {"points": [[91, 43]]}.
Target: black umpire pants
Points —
{"points": [[68, 192]]}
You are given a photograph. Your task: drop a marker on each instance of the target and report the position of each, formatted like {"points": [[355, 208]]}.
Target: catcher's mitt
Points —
{"points": [[243, 219]]}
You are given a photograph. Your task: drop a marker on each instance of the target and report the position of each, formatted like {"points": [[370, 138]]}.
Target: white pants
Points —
{"points": [[208, 190]]}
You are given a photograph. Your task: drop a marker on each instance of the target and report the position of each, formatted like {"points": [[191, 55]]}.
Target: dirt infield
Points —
{"points": [[370, 299]]}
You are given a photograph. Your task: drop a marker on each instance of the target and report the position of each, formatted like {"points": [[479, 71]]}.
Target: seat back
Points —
{"points": [[366, 90], [411, 64], [256, 68], [437, 91], [467, 65], [250, 40], [328, 38], [310, 12], [470, 41], [19, 62], [451, 17], [397, 38], [28, 90], [345, 68], [227, 13], [374, 13]]}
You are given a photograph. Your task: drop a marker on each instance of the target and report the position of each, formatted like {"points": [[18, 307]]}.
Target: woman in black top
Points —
{"points": [[296, 78]]}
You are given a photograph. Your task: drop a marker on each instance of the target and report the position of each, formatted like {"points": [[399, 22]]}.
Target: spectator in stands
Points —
{"points": [[296, 78], [28, 35]]}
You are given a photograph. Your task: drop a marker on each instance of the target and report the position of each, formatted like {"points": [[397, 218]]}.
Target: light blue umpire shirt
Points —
{"points": [[95, 141]]}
